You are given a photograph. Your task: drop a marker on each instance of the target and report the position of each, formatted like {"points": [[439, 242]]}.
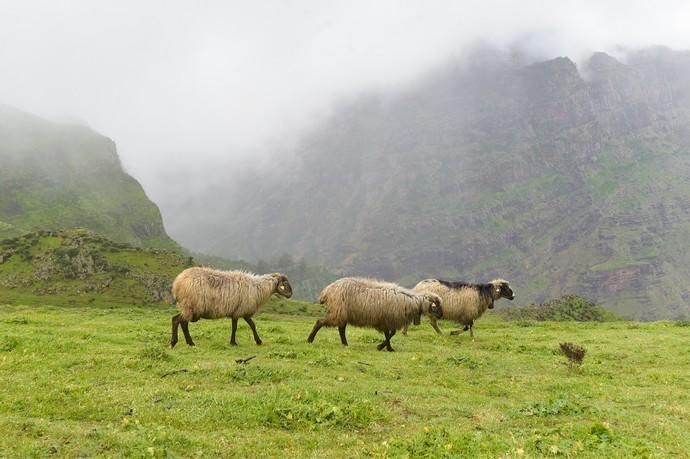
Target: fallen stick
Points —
{"points": [[172, 372]]}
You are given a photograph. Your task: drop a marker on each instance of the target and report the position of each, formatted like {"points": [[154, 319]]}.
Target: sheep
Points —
{"points": [[383, 306], [464, 302], [205, 293]]}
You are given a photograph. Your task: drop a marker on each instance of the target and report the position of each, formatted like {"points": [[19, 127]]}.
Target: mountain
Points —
{"points": [[558, 178], [57, 175]]}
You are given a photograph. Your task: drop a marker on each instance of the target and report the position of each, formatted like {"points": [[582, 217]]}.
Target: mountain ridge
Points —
{"points": [[560, 179]]}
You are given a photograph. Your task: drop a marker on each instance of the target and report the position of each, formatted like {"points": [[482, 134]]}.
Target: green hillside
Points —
{"points": [[77, 267], [559, 178], [58, 176], [8, 231]]}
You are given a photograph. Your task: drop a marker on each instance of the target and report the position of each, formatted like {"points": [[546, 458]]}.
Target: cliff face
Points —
{"points": [[61, 176], [563, 180]]}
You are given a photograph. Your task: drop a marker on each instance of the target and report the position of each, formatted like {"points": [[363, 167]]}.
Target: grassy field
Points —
{"points": [[80, 381]]}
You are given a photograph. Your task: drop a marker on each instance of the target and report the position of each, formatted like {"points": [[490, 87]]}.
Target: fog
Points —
{"points": [[187, 88]]}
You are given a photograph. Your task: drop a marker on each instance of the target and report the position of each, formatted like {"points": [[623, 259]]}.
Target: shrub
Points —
{"points": [[574, 353], [566, 308]]}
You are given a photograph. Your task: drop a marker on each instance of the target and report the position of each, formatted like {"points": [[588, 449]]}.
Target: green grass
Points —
{"points": [[101, 382]]}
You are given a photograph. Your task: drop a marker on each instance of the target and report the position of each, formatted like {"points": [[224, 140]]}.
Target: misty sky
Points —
{"points": [[182, 86]]}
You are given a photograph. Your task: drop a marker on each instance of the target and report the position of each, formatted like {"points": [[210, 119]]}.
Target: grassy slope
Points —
{"points": [[111, 203], [87, 381], [56, 176], [77, 267], [8, 231]]}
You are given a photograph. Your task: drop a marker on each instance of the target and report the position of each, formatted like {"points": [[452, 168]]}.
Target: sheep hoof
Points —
{"points": [[259, 343], [232, 343]]}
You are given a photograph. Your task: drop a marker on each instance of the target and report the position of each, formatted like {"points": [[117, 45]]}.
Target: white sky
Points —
{"points": [[183, 84]]}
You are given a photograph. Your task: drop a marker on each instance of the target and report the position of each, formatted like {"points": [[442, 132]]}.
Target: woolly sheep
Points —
{"points": [[464, 302], [370, 303], [205, 293]]}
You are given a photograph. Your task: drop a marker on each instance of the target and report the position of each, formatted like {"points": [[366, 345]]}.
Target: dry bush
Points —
{"points": [[574, 353]]}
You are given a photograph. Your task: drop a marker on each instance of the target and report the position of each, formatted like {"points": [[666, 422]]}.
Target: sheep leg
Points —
{"points": [[185, 330], [404, 329], [389, 348], [233, 331], [435, 325], [384, 343], [465, 328], [249, 321], [317, 326], [343, 338], [173, 337], [471, 329]]}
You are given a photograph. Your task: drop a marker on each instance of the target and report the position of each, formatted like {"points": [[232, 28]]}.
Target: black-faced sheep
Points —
{"points": [[204, 293], [464, 302], [383, 306]]}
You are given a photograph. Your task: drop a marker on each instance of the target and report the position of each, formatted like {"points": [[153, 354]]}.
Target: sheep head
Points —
{"points": [[283, 287], [501, 290], [433, 305]]}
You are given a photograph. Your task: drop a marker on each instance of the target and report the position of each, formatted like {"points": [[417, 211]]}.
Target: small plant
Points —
{"points": [[285, 355], [315, 410], [253, 375], [467, 362], [574, 353], [8, 344], [154, 353], [553, 408]]}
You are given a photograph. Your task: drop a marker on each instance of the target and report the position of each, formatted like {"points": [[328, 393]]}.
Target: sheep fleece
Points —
{"points": [[370, 303], [204, 293], [462, 305]]}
